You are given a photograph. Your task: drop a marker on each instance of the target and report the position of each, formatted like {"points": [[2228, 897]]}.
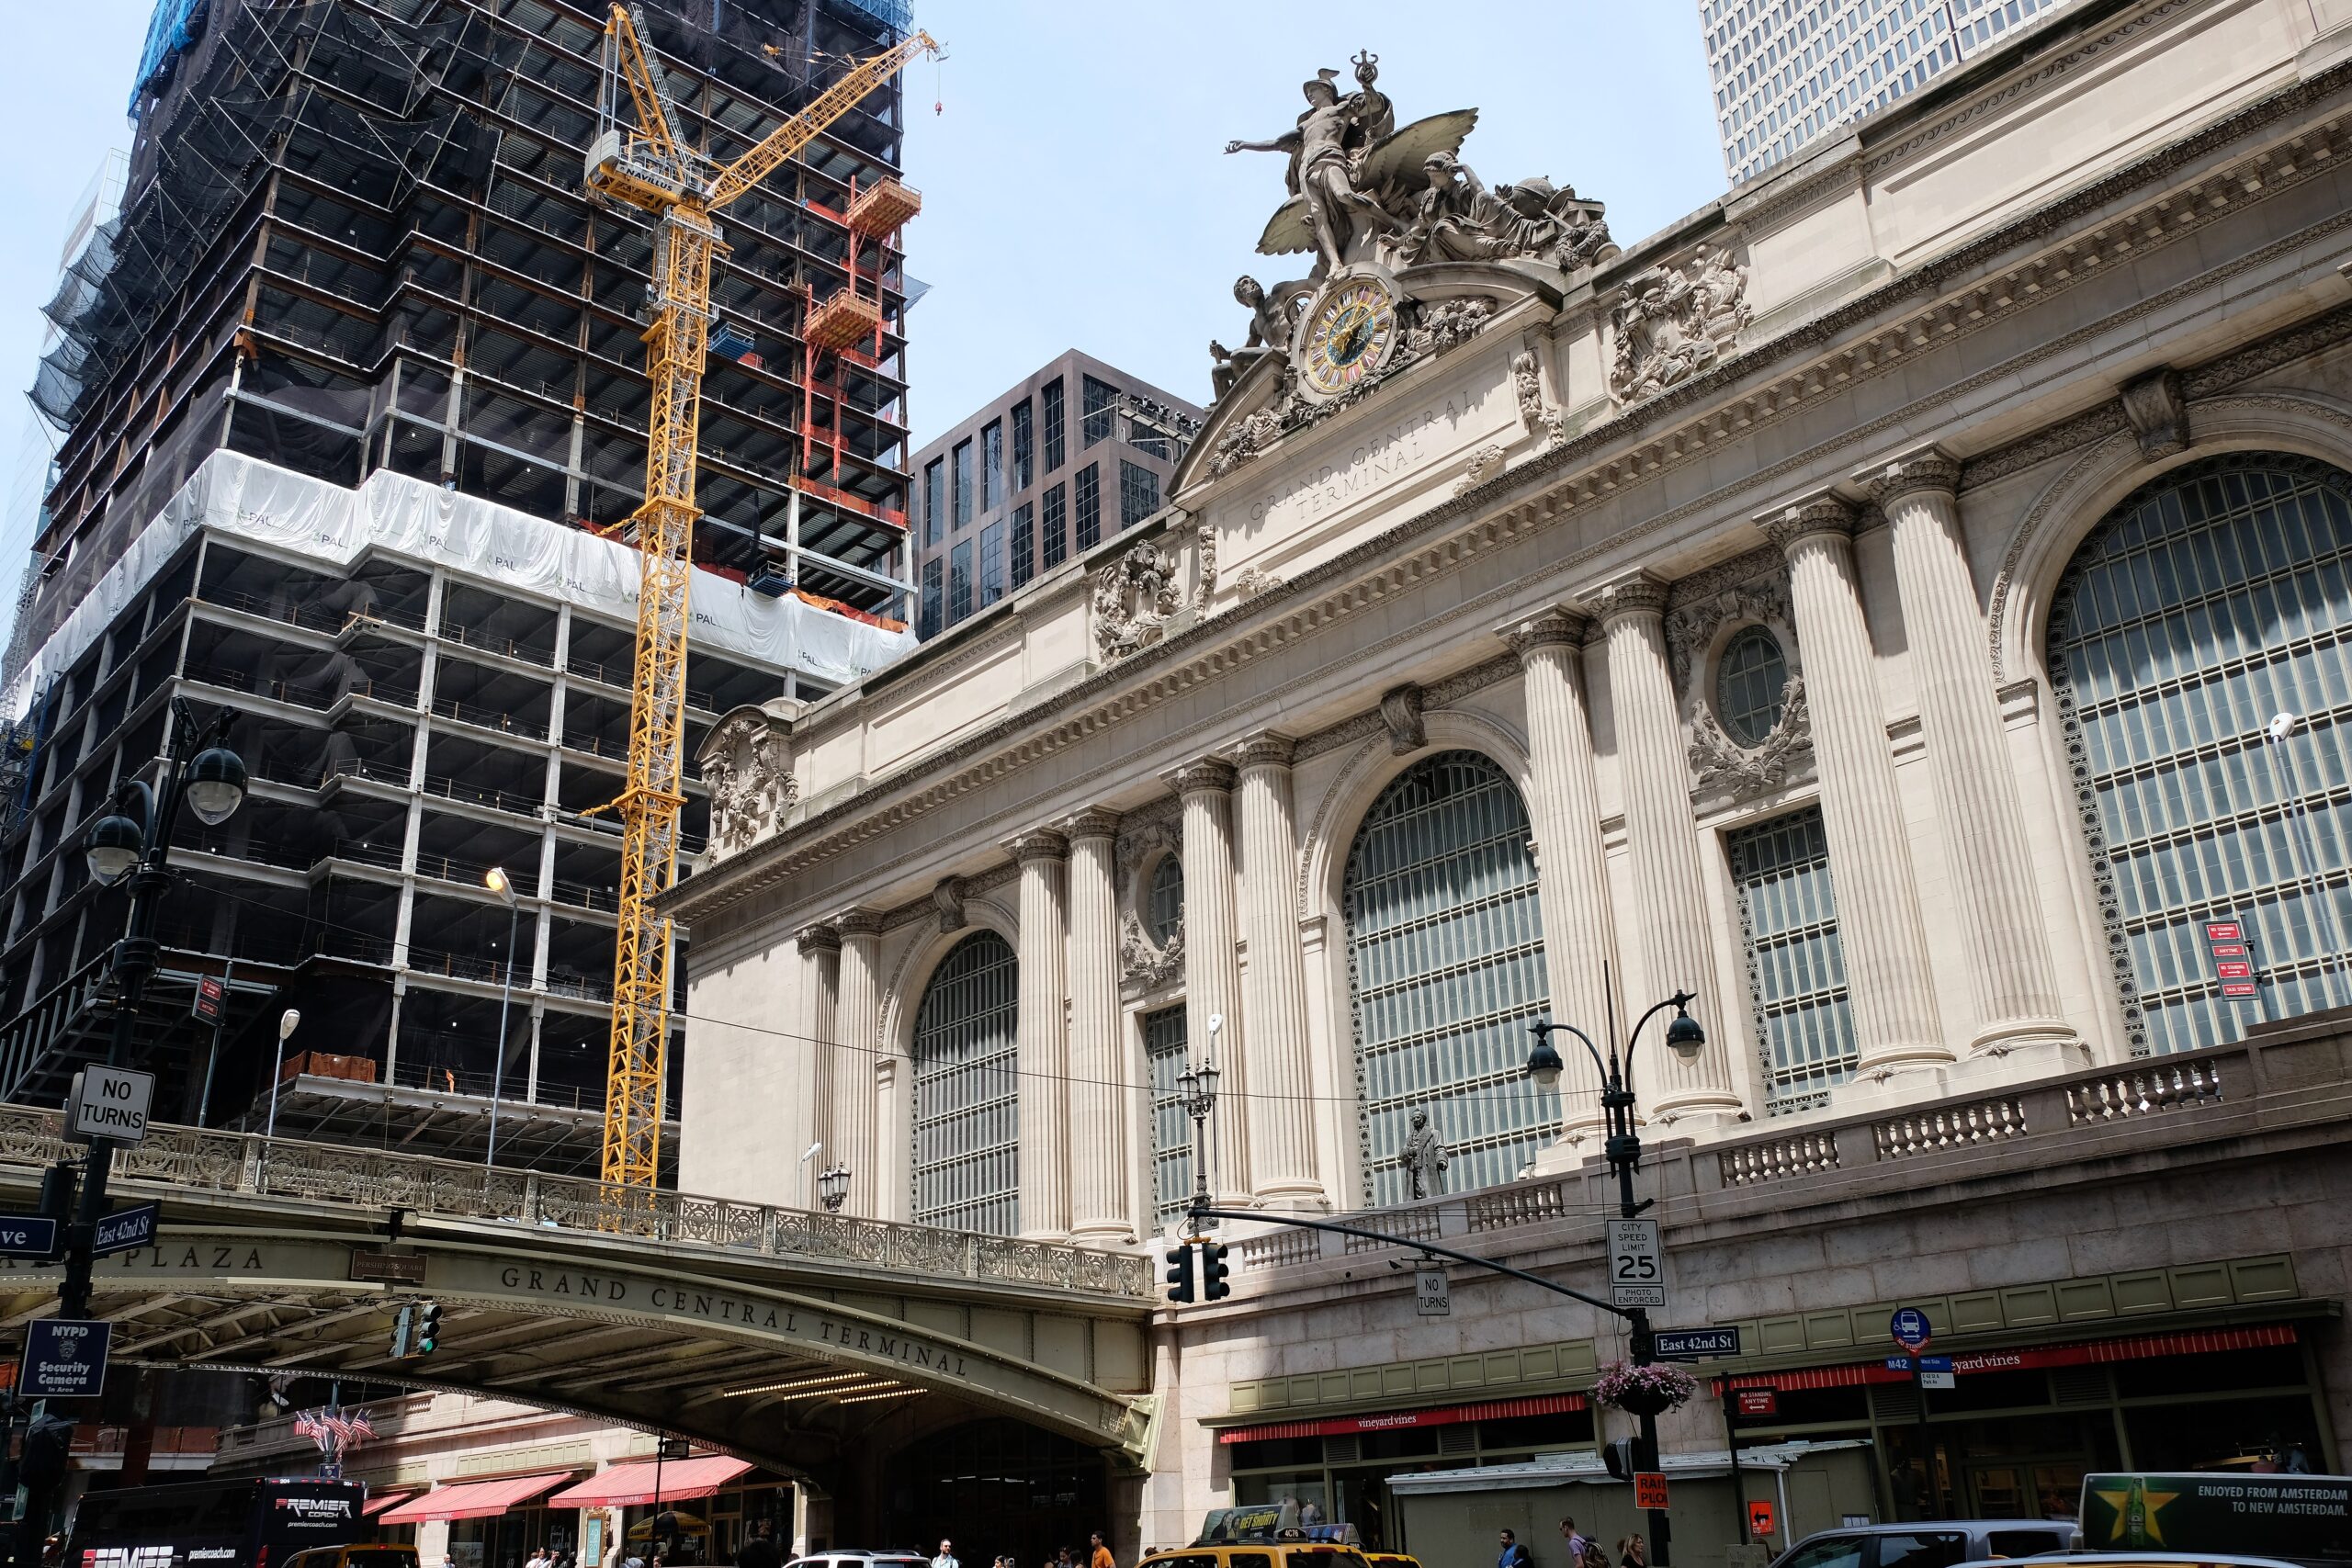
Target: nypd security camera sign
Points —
{"points": [[110, 1103]]}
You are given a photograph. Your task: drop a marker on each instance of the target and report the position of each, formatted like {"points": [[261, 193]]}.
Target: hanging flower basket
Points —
{"points": [[1644, 1391]]}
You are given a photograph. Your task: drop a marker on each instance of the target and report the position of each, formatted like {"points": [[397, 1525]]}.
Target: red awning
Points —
{"points": [[623, 1485], [381, 1501], [2087, 1353], [471, 1499], [1391, 1421]]}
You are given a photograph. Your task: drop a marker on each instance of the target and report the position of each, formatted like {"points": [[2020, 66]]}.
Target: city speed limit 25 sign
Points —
{"points": [[1636, 1270]]}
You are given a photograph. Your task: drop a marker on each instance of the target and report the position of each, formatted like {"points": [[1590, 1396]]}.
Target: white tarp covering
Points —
{"points": [[245, 498]]}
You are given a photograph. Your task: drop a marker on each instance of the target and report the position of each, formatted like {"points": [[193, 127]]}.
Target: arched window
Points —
{"points": [[2205, 605], [1446, 971], [966, 1154]]}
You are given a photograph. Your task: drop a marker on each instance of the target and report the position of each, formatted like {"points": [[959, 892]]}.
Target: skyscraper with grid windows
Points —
{"points": [[1784, 72]]}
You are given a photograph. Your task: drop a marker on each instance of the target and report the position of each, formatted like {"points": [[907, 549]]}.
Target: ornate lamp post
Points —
{"points": [[1623, 1152], [1196, 1091], [131, 845], [833, 1187]]}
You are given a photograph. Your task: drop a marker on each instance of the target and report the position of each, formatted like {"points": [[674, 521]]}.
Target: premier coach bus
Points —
{"points": [[214, 1524]]}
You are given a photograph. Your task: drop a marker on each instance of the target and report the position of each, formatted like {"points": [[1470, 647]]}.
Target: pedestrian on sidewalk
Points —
{"points": [[1575, 1539], [1101, 1556], [946, 1558], [1633, 1554], [761, 1550], [1513, 1554]]}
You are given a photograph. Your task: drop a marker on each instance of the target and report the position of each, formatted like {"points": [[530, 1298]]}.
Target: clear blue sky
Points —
{"points": [[1076, 190]]}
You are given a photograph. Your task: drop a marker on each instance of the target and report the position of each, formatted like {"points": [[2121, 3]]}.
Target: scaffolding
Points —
{"points": [[355, 240], [355, 245]]}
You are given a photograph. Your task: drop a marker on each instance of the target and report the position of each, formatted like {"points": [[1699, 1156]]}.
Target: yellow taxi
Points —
{"points": [[1271, 1537]]}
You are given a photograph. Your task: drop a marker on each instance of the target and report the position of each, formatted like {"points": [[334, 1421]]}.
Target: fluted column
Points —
{"points": [[1274, 992], [1879, 925], [1995, 919], [1098, 1056], [821, 958], [857, 1017], [1042, 1039], [1572, 877], [1669, 914], [1213, 968]]}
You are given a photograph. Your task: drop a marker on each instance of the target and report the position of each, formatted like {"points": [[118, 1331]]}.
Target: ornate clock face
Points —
{"points": [[1354, 330]]}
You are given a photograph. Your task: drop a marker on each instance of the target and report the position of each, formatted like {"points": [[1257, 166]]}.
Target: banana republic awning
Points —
{"points": [[471, 1499], [383, 1500], [623, 1485]]}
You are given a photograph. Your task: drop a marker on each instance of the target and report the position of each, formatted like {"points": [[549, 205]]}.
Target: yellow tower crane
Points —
{"points": [[653, 168]]}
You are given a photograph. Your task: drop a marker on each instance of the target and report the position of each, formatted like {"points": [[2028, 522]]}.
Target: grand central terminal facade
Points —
{"points": [[1903, 604]]}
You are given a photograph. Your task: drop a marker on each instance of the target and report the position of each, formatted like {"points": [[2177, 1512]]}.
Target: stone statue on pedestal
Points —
{"points": [[1424, 1156]]}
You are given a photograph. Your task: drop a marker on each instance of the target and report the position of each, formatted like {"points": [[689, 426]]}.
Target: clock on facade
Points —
{"points": [[1349, 336]]}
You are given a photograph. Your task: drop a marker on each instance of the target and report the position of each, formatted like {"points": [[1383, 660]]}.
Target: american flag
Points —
{"points": [[335, 1432]]}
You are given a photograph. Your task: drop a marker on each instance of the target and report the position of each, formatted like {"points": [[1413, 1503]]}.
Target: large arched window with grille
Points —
{"points": [[966, 1154], [2207, 604], [1445, 971]]}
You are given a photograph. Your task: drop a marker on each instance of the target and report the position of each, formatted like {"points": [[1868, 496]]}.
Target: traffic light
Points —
{"points": [[1618, 1455], [428, 1327], [1213, 1272], [403, 1330], [1180, 1272]]}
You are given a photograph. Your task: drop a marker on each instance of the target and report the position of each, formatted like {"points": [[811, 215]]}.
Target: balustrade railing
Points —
{"points": [[2143, 1092], [1938, 1128], [190, 1160]]}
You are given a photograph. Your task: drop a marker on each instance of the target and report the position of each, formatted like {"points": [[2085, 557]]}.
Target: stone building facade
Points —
{"points": [[1864, 606]]}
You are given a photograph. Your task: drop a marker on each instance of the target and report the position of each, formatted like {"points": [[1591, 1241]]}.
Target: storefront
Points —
{"points": [[1338, 1468], [2020, 1427], [490, 1524], [658, 1506]]}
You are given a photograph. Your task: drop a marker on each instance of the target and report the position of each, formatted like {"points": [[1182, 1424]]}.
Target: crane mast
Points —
{"points": [[651, 169]]}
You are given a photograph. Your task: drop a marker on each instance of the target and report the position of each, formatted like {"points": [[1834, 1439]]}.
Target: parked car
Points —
{"points": [[859, 1557], [1927, 1544]]}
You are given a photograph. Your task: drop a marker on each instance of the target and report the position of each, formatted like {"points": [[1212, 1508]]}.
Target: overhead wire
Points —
{"points": [[1535, 1098]]}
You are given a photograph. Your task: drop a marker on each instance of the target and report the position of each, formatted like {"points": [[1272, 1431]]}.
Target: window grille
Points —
{"points": [[1024, 542], [1750, 680], [1138, 493], [960, 455], [1796, 966], [2202, 605], [1024, 448], [1098, 407], [991, 563], [1446, 971], [1164, 902], [933, 596], [1171, 1131], [966, 1160], [991, 465]]}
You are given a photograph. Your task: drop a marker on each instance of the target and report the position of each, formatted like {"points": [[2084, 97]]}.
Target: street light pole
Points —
{"points": [[133, 843], [1623, 1152], [1196, 1088], [498, 882], [287, 1023]]}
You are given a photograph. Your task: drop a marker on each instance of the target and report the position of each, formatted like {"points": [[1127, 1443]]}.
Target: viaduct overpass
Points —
{"points": [[778, 1336]]}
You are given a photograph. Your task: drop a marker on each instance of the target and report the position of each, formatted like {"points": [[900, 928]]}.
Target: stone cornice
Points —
{"points": [[1640, 595], [1213, 775], [1824, 511], [1557, 627], [1094, 822], [1930, 469], [1364, 575], [819, 938], [1038, 843], [1266, 749]]}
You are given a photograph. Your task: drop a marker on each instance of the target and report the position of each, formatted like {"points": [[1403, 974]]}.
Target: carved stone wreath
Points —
{"points": [[1720, 766], [1134, 596], [1145, 966]]}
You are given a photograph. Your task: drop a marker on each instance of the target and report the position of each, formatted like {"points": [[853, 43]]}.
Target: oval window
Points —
{"points": [[1750, 680], [1164, 901]]}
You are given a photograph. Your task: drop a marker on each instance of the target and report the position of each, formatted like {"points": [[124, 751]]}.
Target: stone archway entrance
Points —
{"points": [[995, 1486]]}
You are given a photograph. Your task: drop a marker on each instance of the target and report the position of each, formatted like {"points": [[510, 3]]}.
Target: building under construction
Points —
{"points": [[354, 393]]}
